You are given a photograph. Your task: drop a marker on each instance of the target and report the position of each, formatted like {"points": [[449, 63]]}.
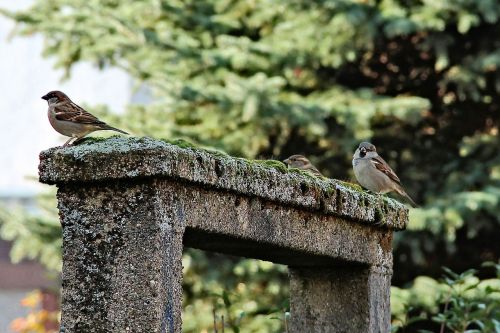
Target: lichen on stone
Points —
{"points": [[278, 165], [119, 157], [355, 187]]}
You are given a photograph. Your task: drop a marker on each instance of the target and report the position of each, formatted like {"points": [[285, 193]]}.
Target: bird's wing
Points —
{"points": [[314, 170], [74, 113], [382, 166]]}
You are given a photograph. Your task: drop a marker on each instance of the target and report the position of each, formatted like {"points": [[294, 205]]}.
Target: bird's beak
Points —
{"points": [[45, 97], [287, 161]]}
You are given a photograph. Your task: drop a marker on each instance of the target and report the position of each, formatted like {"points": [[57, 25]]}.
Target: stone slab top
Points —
{"points": [[120, 158]]}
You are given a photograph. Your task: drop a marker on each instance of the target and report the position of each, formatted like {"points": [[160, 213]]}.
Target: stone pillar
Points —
{"points": [[122, 263], [339, 299]]}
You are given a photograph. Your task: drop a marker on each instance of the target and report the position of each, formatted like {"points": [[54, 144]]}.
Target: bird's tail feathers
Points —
{"points": [[107, 127], [407, 197]]}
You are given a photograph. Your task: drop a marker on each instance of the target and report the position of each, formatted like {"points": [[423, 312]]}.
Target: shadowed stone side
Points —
{"points": [[341, 299], [255, 228], [128, 206]]}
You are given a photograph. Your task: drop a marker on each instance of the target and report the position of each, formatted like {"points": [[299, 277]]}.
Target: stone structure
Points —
{"points": [[129, 206]]}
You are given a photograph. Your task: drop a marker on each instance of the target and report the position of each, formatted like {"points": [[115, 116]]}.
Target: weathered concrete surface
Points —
{"points": [[339, 299], [127, 207], [132, 158], [250, 227], [122, 260]]}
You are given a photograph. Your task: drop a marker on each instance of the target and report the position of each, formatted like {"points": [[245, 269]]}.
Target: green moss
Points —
{"points": [[329, 188], [181, 143], [352, 186], [215, 152], [379, 215], [389, 202], [303, 173], [93, 139], [329, 191], [278, 165], [185, 144]]}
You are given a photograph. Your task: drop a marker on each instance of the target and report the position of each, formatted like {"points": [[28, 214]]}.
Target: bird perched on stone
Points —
{"points": [[374, 174], [72, 120], [302, 163]]}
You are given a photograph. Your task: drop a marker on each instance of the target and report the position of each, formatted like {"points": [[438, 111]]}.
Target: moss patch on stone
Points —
{"points": [[181, 143], [380, 215], [352, 186], [185, 144], [274, 164], [129, 157], [303, 173], [89, 140]]}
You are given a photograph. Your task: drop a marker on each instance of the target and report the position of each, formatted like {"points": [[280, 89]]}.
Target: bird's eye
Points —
{"points": [[362, 152]]}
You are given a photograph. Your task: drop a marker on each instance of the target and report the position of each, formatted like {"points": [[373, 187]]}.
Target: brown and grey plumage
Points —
{"points": [[301, 162], [71, 120], [374, 174]]}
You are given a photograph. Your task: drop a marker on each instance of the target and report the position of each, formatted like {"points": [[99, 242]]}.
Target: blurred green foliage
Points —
{"points": [[262, 78], [251, 295], [35, 235], [459, 302]]}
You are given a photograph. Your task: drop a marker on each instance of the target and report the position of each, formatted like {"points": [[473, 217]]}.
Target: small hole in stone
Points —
{"points": [[322, 204], [219, 169], [199, 159], [304, 188], [237, 202], [339, 199]]}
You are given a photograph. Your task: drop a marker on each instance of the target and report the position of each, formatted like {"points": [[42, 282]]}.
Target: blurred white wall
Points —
{"points": [[25, 77]]}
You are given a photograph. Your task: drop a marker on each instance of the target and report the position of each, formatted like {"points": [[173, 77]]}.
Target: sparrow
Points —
{"points": [[300, 162], [72, 120], [374, 174]]}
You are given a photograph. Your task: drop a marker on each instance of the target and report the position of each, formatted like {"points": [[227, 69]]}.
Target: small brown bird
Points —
{"points": [[302, 163], [374, 174], [72, 120]]}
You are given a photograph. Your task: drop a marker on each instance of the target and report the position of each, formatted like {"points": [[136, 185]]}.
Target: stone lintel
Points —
{"points": [[136, 158]]}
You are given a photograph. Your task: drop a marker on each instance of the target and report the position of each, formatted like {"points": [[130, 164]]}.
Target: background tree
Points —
{"points": [[269, 79]]}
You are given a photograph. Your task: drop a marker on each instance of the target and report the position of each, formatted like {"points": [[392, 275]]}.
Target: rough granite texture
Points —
{"points": [[128, 206]]}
